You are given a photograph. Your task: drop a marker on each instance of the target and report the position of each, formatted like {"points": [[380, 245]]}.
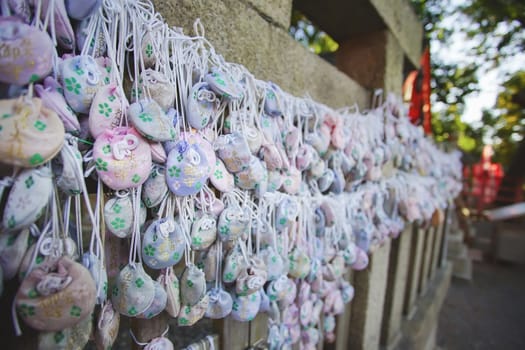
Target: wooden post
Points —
{"points": [[396, 288], [416, 253], [367, 306], [426, 260]]}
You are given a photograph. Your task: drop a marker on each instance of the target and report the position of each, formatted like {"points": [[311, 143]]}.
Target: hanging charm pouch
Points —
{"points": [[27, 52], [30, 134], [122, 158]]}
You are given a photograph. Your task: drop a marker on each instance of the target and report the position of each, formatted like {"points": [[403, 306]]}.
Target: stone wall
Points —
{"points": [[255, 33], [377, 38]]}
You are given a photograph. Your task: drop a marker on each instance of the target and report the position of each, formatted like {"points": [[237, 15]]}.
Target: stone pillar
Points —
{"points": [[374, 60], [437, 249], [444, 240], [259, 328], [416, 254], [234, 335], [367, 306], [426, 260], [395, 289], [343, 323]]}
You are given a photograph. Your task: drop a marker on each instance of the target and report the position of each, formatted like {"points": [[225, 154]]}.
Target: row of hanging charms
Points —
{"points": [[264, 198]]}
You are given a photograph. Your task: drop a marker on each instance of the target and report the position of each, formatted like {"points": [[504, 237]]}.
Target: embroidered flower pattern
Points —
{"points": [[224, 230], [40, 125], [149, 250], [218, 174], [189, 283], [101, 165], [196, 241], [136, 178], [132, 311], [26, 310], [106, 149], [118, 223], [139, 282], [117, 208], [11, 223], [149, 50], [228, 277], [174, 171], [183, 321], [29, 182], [36, 159], [58, 337], [176, 256], [115, 291], [72, 85], [75, 311], [104, 109], [112, 98], [145, 117]]}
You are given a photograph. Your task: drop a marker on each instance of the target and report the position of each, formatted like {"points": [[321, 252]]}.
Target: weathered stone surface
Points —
{"points": [[367, 306], [344, 20], [278, 12], [436, 250], [416, 253], [403, 23], [374, 60], [419, 332], [396, 287], [241, 35], [427, 260]]}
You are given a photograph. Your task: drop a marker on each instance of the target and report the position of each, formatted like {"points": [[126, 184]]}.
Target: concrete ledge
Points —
{"points": [[242, 35], [419, 332], [349, 19]]}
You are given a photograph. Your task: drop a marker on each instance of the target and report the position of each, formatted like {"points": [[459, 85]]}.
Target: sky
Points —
{"points": [[489, 81]]}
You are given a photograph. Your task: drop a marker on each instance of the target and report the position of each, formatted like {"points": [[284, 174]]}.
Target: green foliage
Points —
{"points": [[492, 31], [506, 122], [310, 36]]}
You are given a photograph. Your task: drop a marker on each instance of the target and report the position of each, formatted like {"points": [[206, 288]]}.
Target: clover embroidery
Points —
{"points": [[39, 259], [174, 171], [36, 159], [183, 321], [189, 283], [101, 165], [149, 50], [115, 291], [79, 71], [111, 98], [106, 149], [104, 109], [40, 125], [224, 230], [176, 256], [149, 250], [72, 85], [218, 174], [117, 208], [228, 277], [145, 117], [29, 182], [118, 223], [75, 311], [135, 178], [11, 223], [198, 186], [139, 282], [26, 310], [58, 337], [132, 311], [32, 294], [197, 241], [235, 306], [270, 95]]}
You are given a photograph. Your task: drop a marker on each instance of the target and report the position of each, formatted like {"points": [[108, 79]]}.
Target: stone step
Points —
{"points": [[457, 251], [462, 268]]}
